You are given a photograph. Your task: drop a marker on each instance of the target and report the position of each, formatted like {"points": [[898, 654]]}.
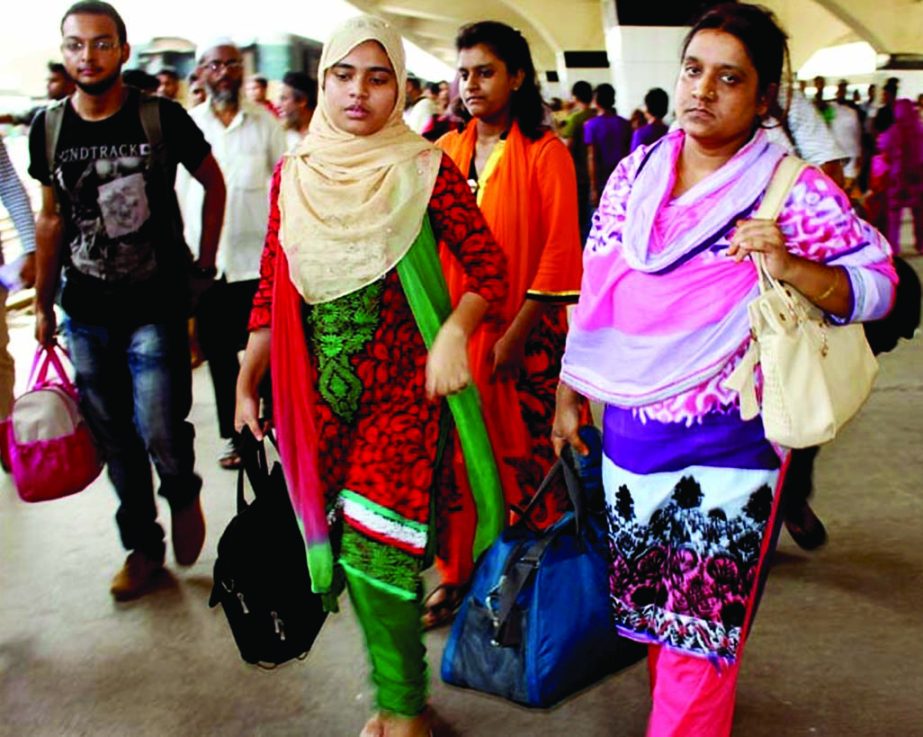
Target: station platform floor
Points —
{"points": [[837, 648]]}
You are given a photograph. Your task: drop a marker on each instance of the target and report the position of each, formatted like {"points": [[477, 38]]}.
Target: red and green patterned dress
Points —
{"points": [[378, 433]]}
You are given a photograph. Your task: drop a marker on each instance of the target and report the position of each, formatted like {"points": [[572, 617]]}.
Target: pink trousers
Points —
{"points": [[692, 698]]}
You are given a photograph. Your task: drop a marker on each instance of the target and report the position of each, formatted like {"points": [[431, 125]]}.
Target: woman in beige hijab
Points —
{"points": [[351, 296]]}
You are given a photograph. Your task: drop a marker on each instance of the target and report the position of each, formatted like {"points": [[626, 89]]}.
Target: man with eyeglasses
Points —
{"points": [[247, 141], [110, 221]]}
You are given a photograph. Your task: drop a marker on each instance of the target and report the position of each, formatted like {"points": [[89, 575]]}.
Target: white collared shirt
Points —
{"points": [[247, 151], [292, 139], [813, 140], [420, 114]]}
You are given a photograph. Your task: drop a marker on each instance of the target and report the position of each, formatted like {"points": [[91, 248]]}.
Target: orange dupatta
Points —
{"points": [[530, 205]]}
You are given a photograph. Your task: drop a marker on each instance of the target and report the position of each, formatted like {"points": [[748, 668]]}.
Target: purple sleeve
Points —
{"points": [[588, 128], [819, 224], [636, 140]]}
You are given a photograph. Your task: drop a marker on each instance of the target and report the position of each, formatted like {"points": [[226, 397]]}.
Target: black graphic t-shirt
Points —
{"points": [[124, 258]]}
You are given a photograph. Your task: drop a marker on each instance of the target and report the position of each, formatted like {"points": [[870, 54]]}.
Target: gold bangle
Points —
{"points": [[829, 290]]}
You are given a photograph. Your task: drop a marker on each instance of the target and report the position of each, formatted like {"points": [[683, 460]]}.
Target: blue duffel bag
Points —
{"points": [[536, 625]]}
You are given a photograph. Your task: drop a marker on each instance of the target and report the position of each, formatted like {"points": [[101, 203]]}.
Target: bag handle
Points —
{"points": [[521, 566], [565, 465], [783, 179], [48, 357], [742, 378], [253, 466], [520, 569]]}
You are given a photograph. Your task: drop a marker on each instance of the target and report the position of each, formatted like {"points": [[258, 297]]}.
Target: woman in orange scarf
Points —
{"points": [[526, 188]]}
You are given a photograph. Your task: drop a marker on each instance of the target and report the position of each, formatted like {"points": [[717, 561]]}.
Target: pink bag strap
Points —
{"points": [[45, 357]]}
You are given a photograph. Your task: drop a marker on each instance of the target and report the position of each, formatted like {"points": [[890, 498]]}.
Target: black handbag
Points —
{"points": [[261, 575]]}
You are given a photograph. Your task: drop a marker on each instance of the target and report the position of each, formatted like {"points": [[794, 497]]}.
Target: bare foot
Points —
{"points": [[374, 727], [398, 726]]}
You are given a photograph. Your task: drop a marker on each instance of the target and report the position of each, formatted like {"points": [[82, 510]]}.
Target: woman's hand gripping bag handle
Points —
{"points": [[816, 375]]}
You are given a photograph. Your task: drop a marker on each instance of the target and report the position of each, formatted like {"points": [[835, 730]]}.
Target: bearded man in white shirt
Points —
{"points": [[247, 141]]}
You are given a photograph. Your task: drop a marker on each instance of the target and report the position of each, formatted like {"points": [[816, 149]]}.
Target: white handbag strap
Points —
{"points": [[784, 178], [742, 379]]}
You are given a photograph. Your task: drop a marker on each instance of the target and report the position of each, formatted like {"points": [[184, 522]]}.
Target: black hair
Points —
{"points": [[303, 86], [140, 79], [657, 102], [414, 82], [56, 67], [583, 91], [509, 45], [605, 96], [97, 7], [432, 87], [757, 30], [261, 81], [891, 85], [168, 71]]}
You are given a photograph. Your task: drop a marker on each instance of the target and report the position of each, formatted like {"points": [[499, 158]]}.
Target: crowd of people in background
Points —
{"points": [[598, 137]]}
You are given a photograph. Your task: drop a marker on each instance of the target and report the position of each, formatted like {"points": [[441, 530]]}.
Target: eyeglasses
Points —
{"points": [[232, 65], [100, 44]]}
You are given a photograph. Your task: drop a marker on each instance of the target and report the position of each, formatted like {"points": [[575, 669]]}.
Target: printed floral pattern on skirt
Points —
{"points": [[686, 549]]}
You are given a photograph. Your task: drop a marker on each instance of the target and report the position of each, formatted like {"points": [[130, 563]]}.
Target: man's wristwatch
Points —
{"points": [[203, 272]]}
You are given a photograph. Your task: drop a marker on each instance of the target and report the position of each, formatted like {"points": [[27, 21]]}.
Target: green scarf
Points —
{"points": [[425, 287]]}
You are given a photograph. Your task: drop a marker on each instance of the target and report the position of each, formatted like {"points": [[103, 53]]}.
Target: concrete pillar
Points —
{"points": [[640, 57]]}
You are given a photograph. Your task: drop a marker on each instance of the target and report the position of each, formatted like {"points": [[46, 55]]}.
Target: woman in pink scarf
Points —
{"points": [[691, 488], [898, 170]]}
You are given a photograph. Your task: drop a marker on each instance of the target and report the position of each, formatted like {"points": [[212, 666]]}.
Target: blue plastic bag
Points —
{"points": [[536, 625]]}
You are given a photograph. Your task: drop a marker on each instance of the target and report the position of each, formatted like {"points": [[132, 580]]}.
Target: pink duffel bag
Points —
{"points": [[45, 443]]}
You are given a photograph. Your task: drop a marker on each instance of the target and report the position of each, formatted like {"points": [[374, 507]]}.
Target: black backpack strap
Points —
{"points": [[54, 120], [149, 107], [149, 111]]}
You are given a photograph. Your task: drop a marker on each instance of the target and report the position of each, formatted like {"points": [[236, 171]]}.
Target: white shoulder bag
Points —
{"points": [[816, 375]]}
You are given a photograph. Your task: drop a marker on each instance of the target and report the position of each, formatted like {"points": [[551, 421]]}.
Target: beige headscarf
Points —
{"points": [[351, 206]]}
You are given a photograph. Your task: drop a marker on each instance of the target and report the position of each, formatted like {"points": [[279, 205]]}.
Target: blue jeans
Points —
{"points": [[135, 388]]}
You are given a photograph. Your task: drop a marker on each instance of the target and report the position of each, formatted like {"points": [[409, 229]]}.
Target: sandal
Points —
{"points": [[441, 603], [805, 527], [229, 459]]}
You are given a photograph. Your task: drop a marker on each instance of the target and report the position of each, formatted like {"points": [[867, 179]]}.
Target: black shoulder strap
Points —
{"points": [[54, 120], [149, 108], [149, 111]]}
